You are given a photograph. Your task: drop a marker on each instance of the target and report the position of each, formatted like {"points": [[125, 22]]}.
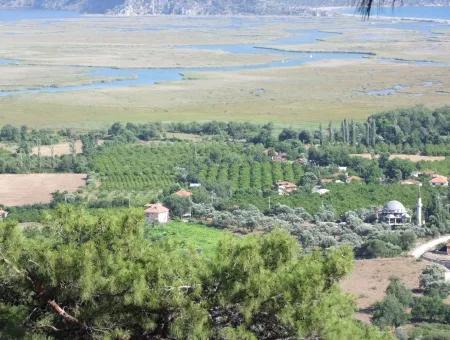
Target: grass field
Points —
{"points": [[298, 96], [17, 190], [197, 236]]}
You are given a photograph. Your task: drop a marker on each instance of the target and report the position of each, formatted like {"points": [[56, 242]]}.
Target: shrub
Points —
{"points": [[389, 313], [432, 281]]}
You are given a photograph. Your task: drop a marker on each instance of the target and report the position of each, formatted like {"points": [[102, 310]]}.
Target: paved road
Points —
{"points": [[430, 245]]}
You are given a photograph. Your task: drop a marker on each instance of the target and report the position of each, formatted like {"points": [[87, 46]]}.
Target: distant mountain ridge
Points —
{"points": [[192, 7]]}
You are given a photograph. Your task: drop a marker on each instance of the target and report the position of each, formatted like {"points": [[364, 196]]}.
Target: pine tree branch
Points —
{"points": [[365, 7], [61, 312], [40, 291]]}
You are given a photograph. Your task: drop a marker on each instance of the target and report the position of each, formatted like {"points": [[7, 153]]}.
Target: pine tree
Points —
{"points": [[97, 275]]}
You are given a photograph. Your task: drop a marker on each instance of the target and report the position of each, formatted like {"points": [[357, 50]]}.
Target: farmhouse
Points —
{"points": [[394, 213], [286, 188], [3, 214], [183, 193], [319, 190], [156, 213], [439, 181], [280, 157]]}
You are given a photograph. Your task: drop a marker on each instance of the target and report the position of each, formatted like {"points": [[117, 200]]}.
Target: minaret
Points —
{"points": [[419, 210]]}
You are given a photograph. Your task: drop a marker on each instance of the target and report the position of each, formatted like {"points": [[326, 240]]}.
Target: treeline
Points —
{"points": [[20, 163], [412, 130], [371, 171]]}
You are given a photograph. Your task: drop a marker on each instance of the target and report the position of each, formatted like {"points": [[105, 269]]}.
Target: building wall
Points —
{"points": [[160, 218]]}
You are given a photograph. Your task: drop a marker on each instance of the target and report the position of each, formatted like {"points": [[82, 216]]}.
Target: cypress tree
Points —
{"points": [[374, 132], [321, 134], [353, 133], [331, 132], [367, 126]]}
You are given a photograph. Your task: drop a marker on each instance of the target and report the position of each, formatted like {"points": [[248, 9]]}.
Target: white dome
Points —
{"points": [[394, 207]]}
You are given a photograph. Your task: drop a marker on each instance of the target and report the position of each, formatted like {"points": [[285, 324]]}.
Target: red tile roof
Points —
{"points": [[439, 179], [286, 184], [156, 208], [183, 193]]}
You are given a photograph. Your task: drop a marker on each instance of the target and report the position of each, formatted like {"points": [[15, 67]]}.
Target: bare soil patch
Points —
{"points": [[370, 278], [417, 158], [412, 158], [25, 189], [58, 149]]}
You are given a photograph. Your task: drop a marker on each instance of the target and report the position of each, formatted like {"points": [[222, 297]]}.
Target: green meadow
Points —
{"points": [[189, 235]]}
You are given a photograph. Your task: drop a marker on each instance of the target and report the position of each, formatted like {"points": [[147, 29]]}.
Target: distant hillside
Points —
{"points": [[192, 7]]}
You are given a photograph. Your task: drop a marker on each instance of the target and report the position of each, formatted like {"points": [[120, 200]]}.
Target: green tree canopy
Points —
{"points": [[95, 275]]}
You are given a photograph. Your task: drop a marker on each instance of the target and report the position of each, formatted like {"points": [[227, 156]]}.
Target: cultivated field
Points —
{"points": [[17, 190], [370, 278]]}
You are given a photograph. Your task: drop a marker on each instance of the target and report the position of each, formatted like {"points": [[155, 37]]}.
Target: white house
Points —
{"points": [[156, 213], [319, 190], [3, 214], [439, 181]]}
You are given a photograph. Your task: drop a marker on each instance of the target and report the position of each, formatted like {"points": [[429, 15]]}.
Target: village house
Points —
{"points": [[156, 213], [342, 169], [286, 188], [394, 213], [319, 190], [439, 181], [280, 157], [3, 214], [351, 179], [183, 193]]}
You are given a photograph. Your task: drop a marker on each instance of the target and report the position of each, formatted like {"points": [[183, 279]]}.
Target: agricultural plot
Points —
{"points": [[59, 149], [250, 175], [26, 189], [156, 167], [140, 167]]}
